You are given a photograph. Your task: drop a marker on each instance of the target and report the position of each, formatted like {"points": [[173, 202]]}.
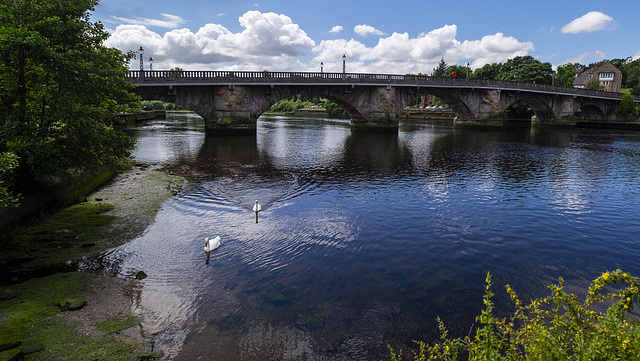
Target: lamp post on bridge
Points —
{"points": [[141, 52], [321, 67], [344, 68], [150, 63], [467, 70]]}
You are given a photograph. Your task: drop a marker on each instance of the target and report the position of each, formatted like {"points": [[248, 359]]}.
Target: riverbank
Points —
{"points": [[58, 278]]}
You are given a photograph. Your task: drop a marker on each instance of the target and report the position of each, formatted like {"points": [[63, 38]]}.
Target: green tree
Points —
{"points": [[60, 89], [621, 65], [593, 84], [488, 71], [333, 109], [631, 71], [441, 70], [461, 71], [565, 75], [8, 161], [627, 105], [526, 69]]}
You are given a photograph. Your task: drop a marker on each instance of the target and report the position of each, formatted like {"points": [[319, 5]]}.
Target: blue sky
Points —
{"points": [[397, 37]]}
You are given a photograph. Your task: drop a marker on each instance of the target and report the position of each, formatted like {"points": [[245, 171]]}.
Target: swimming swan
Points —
{"points": [[211, 244], [256, 207]]}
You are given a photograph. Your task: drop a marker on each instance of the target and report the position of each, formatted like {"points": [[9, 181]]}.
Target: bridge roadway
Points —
{"points": [[231, 101]]}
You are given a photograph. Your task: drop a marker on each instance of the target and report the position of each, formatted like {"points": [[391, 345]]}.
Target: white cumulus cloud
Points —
{"points": [[364, 30], [268, 40], [589, 22], [399, 53], [336, 29], [274, 42]]}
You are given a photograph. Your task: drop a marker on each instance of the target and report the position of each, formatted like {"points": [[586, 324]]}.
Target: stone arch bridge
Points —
{"points": [[231, 101]]}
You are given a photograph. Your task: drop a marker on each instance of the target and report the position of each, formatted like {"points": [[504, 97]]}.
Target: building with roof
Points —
{"points": [[607, 74]]}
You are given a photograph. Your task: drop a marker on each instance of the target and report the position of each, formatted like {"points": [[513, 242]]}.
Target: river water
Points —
{"points": [[364, 239]]}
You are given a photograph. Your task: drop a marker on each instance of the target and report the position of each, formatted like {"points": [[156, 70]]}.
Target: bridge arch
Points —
{"points": [[542, 107], [275, 94], [591, 112], [456, 101], [185, 98]]}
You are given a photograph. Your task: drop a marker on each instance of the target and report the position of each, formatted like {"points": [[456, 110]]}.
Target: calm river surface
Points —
{"points": [[364, 239]]}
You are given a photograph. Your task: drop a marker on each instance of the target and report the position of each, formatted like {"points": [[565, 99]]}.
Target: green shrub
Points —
{"points": [[627, 105], [558, 327]]}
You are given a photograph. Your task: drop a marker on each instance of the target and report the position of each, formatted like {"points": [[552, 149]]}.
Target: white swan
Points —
{"points": [[257, 207], [211, 244]]}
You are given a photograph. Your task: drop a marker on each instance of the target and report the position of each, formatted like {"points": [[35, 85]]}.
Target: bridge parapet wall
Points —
{"points": [[165, 77]]}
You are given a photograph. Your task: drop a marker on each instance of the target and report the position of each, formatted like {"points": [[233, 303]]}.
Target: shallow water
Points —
{"points": [[364, 239]]}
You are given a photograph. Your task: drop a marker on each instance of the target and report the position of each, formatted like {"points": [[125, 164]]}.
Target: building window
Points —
{"points": [[606, 76]]}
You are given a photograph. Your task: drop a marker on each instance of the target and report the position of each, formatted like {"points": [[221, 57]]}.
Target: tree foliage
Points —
{"points": [[593, 84], [566, 74], [441, 70], [526, 69], [60, 89], [631, 74], [488, 71], [461, 71], [627, 105], [300, 101], [557, 327], [8, 162]]}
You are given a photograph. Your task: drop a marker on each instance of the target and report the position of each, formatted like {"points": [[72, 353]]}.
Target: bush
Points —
{"points": [[627, 105], [558, 327], [593, 84], [333, 109]]}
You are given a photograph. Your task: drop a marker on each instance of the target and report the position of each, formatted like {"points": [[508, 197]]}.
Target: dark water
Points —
{"points": [[364, 239]]}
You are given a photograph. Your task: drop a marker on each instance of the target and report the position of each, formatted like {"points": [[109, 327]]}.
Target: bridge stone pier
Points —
{"points": [[231, 102]]}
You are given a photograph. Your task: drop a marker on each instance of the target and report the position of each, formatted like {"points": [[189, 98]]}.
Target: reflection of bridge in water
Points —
{"points": [[231, 101]]}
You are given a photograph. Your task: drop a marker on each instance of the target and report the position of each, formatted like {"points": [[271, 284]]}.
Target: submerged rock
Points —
{"points": [[71, 304]]}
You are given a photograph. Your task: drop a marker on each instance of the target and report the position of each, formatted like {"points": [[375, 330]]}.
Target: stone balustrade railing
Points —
{"points": [[172, 77]]}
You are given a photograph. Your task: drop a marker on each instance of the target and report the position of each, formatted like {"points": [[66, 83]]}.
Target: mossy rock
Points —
{"points": [[9, 345], [7, 294], [72, 218], [32, 347], [229, 322], [275, 298], [71, 304], [12, 354], [140, 275], [117, 323]]}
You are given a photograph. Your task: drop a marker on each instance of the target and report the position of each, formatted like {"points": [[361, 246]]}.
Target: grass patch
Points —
{"points": [[75, 217], [58, 237], [117, 323], [30, 323]]}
